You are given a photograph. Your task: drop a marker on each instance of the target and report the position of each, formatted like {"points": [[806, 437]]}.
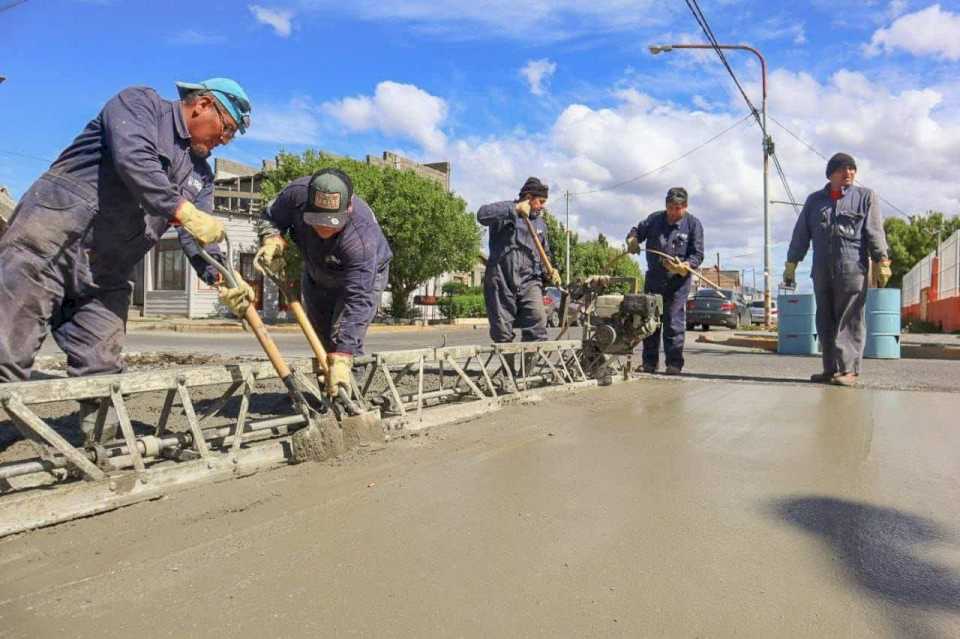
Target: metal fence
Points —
{"points": [[918, 278]]}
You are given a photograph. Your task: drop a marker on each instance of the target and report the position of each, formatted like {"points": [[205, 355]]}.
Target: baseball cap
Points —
{"points": [[228, 93], [677, 194], [328, 199]]}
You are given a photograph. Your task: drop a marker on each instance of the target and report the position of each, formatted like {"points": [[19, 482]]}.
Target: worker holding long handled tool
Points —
{"points": [[346, 262], [518, 265], [674, 247]]}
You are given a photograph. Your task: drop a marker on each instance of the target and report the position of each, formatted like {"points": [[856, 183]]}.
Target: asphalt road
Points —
{"points": [[664, 508], [707, 361]]}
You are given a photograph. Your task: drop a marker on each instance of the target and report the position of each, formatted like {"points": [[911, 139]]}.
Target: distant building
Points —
{"points": [[723, 279]]}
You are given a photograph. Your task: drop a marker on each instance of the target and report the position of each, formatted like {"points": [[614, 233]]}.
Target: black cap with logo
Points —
{"points": [[328, 199], [677, 195]]}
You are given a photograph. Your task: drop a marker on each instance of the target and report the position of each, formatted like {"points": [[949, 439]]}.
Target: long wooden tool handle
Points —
{"points": [[536, 240], [269, 347], [301, 316]]}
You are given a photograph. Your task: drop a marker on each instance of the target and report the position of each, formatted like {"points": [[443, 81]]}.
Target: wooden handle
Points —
{"points": [[269, 347], [301, 316], [536, 240]]}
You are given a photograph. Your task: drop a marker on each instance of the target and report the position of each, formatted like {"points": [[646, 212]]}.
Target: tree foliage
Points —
{"points": [[586, 258], [429, 230], [911, 240]]}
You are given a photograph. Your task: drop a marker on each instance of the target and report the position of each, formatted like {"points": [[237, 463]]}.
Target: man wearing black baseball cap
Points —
{"points": [[513, 282], [137, 168], [677, 233], [845, 226], [346, 261]]}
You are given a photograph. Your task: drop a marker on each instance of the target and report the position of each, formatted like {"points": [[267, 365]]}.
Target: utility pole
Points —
{"points": [[718, 269], [767, 152], [566, 196]]}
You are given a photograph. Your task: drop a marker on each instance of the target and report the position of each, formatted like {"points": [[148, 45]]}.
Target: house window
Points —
{"points": [[169, 272]]}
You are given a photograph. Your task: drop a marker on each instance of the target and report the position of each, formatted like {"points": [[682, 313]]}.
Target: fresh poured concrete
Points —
{"points": [[661, 508]]}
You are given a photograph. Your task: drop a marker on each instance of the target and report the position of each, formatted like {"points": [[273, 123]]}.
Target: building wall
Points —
{"points": [[436, 171], [931, 289]]}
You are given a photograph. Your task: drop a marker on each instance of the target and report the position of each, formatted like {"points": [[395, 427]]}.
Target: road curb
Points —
{"points": [[235, 327]]}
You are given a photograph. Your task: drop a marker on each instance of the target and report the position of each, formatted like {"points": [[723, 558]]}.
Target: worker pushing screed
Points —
{"points": [[75, 237], [678, 235]]}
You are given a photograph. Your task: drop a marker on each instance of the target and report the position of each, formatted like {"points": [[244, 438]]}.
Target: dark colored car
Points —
{"points": [[710, 307], [551, 303]]}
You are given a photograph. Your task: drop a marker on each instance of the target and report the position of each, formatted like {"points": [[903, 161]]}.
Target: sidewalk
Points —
{"points": [[225, 325]]}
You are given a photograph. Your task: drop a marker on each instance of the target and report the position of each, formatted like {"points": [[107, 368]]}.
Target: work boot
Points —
{"points": [[674, 370], [649, 369], [822, 378], [844, 379], [87, 421]]}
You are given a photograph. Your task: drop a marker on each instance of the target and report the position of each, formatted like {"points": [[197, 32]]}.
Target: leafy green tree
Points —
{"points": [[911, 240], [593, 257], [429, 230], [556, 237]]}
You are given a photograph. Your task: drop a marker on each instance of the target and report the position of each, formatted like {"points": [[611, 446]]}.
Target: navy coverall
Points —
{"points": [[513, 282], [343, 276], [79, 231], [846, 234], [685, 241]]}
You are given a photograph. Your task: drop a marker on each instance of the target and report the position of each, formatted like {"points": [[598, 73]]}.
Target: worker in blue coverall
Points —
{"points": [[845, 226], [346, 261], [679, 234], [81, 228], [515, 275]]}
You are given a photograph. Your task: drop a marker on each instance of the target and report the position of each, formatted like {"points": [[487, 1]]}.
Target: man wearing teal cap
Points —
{"points": [[78, 232]]}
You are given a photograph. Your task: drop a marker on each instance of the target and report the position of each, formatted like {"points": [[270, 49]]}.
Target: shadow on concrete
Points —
{"points": [[879, 548], [748, 378]]}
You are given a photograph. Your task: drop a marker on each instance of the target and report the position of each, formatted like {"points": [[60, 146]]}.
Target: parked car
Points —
{"points": [[551, 303], [756, 311], [710, 307]]}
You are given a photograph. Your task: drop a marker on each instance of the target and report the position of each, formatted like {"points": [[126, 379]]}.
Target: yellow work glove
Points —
{"points": [[204, 227], [633, 245], [523, 209], [884, 272], [790, 274], [675, 266], [554, 277], [237, 299], [340, 366], [270, 255]]}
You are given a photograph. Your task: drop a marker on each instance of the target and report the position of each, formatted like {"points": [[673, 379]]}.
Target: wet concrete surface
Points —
{"points": [[661, 508]]}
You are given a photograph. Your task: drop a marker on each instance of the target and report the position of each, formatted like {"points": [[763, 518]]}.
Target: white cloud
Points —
{"points": [[278, 19], [396, 109], [929, 32], [538, 73]]}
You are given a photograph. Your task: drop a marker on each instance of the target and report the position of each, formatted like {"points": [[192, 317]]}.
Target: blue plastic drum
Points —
{"points": [[883, 324], [797, 324]]}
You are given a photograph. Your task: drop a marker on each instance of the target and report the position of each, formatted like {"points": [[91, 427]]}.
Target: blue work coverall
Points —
{"points": [[845, 234], [685, 241], [81, 228], [513, 282], [343, 276]]}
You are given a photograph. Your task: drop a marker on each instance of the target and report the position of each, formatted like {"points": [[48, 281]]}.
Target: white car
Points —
{"points": [[756, 311]]}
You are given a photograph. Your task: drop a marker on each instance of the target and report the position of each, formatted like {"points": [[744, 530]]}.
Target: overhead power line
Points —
{"points": [[26, 156], [673, 161], [10, 5]]}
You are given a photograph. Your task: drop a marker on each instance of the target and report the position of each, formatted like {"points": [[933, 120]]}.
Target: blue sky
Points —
{"points": [[565, 90]]}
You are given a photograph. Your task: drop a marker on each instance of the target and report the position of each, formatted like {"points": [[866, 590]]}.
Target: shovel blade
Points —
{"points": [[321, 439], [365, 429]]}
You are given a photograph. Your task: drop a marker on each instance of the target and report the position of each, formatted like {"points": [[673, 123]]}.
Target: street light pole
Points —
{"points": [[566, 195], [767, 151]]}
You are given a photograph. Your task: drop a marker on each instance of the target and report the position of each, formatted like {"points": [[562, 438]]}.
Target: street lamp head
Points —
{"points": [[660, 48]]}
